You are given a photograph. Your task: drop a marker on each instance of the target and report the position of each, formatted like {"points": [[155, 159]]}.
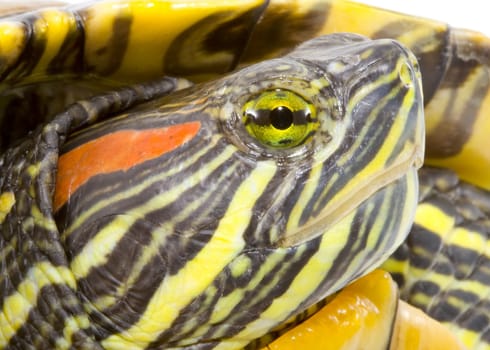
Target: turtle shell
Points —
{"points": [[101, 43], [52, 57]]}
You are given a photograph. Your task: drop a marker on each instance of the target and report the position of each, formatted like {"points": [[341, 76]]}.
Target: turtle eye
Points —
{"points": [[280, 119]]}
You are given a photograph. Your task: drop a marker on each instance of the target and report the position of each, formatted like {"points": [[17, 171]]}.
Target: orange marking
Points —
{"points": [[118, 151]]}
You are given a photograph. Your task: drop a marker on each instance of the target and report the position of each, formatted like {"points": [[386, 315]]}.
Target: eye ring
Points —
{"points": [[279, 119]]}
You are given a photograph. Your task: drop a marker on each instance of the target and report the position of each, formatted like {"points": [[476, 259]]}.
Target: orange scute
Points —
{"points": [[118, 151], [359, 317]]}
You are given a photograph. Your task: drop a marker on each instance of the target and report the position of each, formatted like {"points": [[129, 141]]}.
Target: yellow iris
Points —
{"points": [[280, 119]]}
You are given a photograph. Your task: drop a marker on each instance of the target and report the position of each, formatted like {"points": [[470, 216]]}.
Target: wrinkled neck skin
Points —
{"points": [[211, 236]]}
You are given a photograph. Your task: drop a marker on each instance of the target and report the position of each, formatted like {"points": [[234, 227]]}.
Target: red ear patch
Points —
{"points": [[117, 151]]}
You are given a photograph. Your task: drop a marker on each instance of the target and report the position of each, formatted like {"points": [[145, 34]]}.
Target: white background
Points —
{"points": [[470, 14]]}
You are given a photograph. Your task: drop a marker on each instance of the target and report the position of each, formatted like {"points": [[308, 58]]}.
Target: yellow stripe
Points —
{"points": [[469, 338], [436, 221], [7, 201], [17, 306], [226, 242], [446, 281], [433, 219], [72, 325], [309, 189], [97, 250], [41, 221], [392, 139], [379, 161], [421, 33], [392, 265], [55, 25], [465, 238], [225, 304], [13, 38]]}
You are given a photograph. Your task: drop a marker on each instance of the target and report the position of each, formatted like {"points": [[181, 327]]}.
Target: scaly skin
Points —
{"points": [[96, 46]]}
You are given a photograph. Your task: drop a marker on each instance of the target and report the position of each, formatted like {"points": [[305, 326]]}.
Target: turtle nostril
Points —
{"points": [[405, 74]]}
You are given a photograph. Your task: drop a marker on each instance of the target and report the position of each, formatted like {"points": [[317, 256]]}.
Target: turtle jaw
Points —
{"points": [[336, 211]]}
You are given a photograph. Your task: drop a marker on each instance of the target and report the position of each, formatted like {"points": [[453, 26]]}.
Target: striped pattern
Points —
{"points": [[106, 38], [216, 242], [106, 41], [444, 267]]}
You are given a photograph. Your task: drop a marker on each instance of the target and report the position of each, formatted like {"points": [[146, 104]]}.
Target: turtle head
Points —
{"points": [[340, 122], [230, 206]]}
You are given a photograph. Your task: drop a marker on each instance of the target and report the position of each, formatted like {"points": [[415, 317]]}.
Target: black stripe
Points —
{"points": [[70, 56], [360, 228], [423, 241], [442, 266], [477, 323], [451, 134], [482, 274], [410, 124], [427, 288], [273, 32], [485, 336], [32, 51], [395, 197], [194, 231], [16, 265], [442, 311], [465, 260], [217, 33], [270, 214], [81, 236], [114, 51], [200, 315], [148, 115], [366, 217], [469, 298], [399, 278]]}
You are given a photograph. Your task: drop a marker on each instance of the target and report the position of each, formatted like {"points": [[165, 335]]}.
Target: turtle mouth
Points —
{"points": [[335, 211]]}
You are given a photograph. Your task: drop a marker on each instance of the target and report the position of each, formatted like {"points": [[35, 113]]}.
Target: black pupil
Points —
{"points": [[281, 117]]}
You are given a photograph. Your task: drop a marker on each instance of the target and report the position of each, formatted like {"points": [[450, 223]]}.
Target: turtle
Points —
{"points": [[205, 175]]}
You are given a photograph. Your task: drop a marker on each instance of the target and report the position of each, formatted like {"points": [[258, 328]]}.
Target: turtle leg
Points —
{"points": [[40, 305], [98, 108], [443, 266]]}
